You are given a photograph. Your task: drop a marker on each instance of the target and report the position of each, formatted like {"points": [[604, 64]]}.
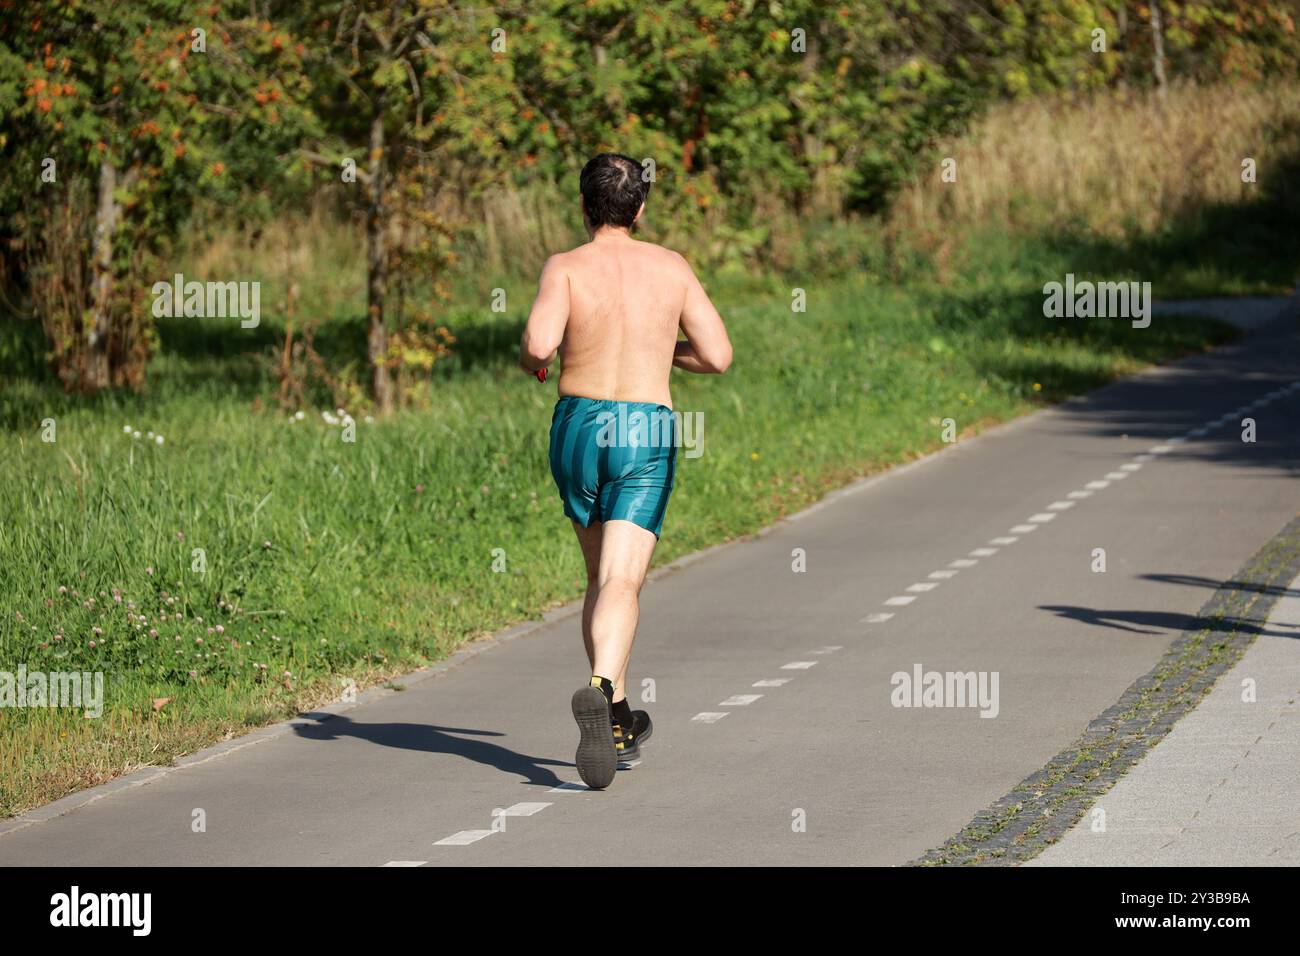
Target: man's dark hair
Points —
{"points": [[612, 190]]}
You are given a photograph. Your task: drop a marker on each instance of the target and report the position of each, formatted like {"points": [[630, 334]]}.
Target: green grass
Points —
{"points": [[328, 560]]}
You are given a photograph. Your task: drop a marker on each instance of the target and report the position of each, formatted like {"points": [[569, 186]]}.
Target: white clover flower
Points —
{"points": [[127, 429], [299, 415], [158, 439], [135, 434]]}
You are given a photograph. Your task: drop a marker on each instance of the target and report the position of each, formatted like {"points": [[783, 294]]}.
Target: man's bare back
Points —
{"points": [[613, 308]]}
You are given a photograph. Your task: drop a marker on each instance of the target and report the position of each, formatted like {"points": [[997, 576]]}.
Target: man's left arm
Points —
{"points": [[545, 329]]}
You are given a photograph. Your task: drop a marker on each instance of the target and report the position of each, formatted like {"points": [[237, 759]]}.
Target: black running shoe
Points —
{"points": [[597, 757], [628, 740]]}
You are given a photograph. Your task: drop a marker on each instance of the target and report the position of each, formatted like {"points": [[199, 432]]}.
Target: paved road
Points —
{"points": [[1222, 786], [1016, 514]]}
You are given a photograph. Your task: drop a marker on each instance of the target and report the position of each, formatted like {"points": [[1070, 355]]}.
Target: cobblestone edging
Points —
{"points": [[1042, 807]]}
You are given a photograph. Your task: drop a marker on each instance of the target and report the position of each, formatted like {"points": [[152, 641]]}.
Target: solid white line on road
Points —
{"points": [[1024, 528], [1005, 539], [570, 786], [708, 717], [1079, 494], [798, 665], [879, 618], [900, 600], [1060, 506], [923, 586], [523, 809], [740, 700], [1042, 517], [464, 838], [983, 552], [1097, 485], [772, 682], [406, 863], [942, 575]]}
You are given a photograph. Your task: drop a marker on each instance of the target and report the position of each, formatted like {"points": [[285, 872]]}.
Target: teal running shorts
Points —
{"points": [[613, 461]]}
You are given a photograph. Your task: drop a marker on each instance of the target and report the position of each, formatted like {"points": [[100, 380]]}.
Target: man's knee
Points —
{"points": [[620, 585]]}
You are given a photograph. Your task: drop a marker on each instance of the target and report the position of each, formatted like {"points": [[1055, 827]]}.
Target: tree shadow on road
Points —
{"points": [[438, 740], [1213, 585], [1157, 622]]}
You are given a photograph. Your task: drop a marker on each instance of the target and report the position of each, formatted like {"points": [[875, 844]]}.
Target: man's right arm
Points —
{"points": [[707, 348]]}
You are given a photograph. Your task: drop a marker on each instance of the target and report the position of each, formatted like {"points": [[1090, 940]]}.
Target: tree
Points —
{"points": [[135, 109]]}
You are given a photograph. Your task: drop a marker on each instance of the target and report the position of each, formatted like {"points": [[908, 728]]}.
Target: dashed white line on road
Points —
{"points": [[1079, 494], [983, 552], [900, 600], [1004, 540], [963, 563], [406, 863], [878, 618], [570, 786], [1024, 528], [1060, 506], [740, 700], [942, 575], [923, 586], [1116, 475], [1097, 485], [828, 649], [1145, 456], [1043, 517], [771, 682], [798, 665], [464, 838], [1161, 449], [708, 717], [1130, 466]]}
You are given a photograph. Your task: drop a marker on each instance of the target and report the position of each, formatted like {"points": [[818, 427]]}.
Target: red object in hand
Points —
{"points": [[541, 374]]}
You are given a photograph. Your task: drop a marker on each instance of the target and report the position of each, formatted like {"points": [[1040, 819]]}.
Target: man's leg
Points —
{"points": [[623, 559], [589, 541]]}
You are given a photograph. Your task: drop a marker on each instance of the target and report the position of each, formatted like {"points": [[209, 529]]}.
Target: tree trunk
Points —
{"points": [[1158, 48], [95, 371], [381, 388]]}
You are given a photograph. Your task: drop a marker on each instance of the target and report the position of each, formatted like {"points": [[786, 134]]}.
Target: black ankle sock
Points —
{"points": [[606, 686], [620, 713]]}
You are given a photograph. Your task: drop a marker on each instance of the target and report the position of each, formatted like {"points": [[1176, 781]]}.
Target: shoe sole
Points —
{"points": [[597, 758]]}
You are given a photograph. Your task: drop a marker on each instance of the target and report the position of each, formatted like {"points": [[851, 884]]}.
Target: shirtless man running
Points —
{"points": [[612, 310]]}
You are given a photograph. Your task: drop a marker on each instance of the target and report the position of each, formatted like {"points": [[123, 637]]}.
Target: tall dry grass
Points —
{"points": [[1115, 162]]}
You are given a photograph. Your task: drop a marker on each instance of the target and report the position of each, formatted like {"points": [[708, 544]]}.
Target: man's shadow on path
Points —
{"points": [[438, 740]]}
